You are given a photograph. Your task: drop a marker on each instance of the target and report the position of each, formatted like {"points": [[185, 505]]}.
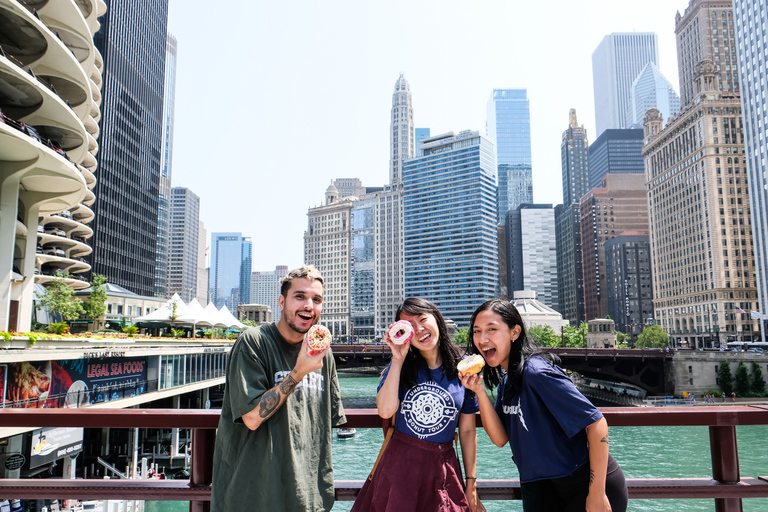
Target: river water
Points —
{"points": [[642, 452]]}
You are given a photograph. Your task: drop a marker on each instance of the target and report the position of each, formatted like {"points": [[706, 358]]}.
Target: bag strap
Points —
{"points": [[387, 437]]}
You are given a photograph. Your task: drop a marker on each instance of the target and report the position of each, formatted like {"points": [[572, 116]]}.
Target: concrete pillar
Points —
{"points": [[135, 457], [9, 202], [175, 431], [69, 465], [26, 299]]}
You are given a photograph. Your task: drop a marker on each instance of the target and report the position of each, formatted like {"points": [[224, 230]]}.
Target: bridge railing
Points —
{"points": [[726, 486]]}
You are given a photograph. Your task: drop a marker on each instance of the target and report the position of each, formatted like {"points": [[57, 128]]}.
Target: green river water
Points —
{"points": [[642, 452]]}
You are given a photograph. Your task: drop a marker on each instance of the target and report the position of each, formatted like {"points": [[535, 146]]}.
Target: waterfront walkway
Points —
{"points": [[726, 486]]}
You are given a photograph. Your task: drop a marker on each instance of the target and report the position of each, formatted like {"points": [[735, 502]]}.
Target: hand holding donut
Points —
{"points": [[398, 340]]}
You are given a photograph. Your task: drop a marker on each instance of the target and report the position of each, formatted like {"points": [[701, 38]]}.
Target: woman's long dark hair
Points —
{"points": [[449, 354], [522, 349]]}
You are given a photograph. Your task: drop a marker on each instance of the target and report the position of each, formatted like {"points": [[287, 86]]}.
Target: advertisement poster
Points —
{"points": [[3, 383], [75, 382], [49, 444]]}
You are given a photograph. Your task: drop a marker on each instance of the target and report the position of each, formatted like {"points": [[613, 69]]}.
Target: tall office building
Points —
{"points": [[705, 32], [420, 133], [362, 263], [574, 157], [202, 269], [701, 243], [127, 192], [450, 224], [389, 210], [618, 205], [752, 48], [265, 288], [616, 62], [531, 252], [651, 89], [50, 83], [508, 125], [616, 152], [166, 164], [229, 278], [327, 247], [349, 187], [183, 244], [629, 285]]}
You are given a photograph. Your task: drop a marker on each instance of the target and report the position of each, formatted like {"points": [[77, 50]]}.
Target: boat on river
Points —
{"points": [[345, 433]]}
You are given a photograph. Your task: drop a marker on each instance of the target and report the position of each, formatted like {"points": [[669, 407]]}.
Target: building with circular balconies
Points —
{"points": [[50, 82]]}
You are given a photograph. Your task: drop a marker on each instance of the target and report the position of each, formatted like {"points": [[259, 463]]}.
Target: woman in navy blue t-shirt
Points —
{"points": [[419, 471], [559, 440]]}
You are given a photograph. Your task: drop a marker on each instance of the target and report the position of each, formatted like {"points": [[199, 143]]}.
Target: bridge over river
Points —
{"points": [[658, 371]]}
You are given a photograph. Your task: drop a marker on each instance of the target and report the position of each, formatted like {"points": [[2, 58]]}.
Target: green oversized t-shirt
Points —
{"points": [[285, 464]]}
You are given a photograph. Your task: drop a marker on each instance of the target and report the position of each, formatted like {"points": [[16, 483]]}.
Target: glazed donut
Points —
{"points": [[318, 339], [401, 332], [471, 365]]}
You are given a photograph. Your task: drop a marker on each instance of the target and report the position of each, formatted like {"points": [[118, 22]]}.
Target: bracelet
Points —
{"points": [[470, 478]]}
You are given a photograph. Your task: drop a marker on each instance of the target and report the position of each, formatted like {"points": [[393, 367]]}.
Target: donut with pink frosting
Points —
{"points": [[318, 338], [401, 332]]}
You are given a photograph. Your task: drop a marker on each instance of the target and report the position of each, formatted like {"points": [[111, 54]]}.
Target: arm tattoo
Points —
{"points": [[287, 385], [269, 403], [604, 439], [591, 476]]}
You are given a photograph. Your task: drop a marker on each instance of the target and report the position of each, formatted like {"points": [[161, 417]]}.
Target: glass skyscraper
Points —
{"points": [[229, 281], [449, 205], [508, 125], [127, 191], [752, 46], [616, 152], [362, 263], [420, 133], [651, 89]]}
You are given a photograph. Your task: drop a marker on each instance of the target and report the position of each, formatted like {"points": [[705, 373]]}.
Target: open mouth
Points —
{"points": [[305, 315], [424, 338], [488, 353]]}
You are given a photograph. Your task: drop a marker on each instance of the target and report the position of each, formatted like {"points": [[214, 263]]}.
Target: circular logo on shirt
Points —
{"points": [[428, 409]]}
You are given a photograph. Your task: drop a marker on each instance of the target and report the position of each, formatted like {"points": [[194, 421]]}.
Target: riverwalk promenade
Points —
{"points": [[726, 487]]}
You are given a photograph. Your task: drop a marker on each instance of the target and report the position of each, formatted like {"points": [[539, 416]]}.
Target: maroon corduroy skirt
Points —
{"points": [[414, 476]]}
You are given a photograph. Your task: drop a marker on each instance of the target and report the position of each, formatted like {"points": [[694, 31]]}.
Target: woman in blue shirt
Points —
{"points": [[559, 440], [419, 470]]}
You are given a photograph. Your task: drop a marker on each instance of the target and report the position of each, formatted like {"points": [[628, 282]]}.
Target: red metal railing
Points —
{"points": [[726, 486]]}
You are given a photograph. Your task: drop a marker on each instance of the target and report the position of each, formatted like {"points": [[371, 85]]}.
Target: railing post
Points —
{"points": [[725, 464], [203, 442]]}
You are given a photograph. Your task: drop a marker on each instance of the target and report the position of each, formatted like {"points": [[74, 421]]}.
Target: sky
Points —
{"points": [[274, 100]]}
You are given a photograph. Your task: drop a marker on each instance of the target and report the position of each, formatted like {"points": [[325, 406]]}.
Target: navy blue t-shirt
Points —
{"points": [[430, 410], [546, 422]]}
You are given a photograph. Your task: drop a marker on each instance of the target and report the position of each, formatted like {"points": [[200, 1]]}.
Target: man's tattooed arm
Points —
{"points": [[271, 401]]}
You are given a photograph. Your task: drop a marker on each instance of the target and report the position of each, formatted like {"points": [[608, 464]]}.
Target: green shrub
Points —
{"points": [[58, 328]]}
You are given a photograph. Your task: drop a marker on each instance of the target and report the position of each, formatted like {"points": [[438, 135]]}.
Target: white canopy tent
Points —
{"points": [[165, 312], [230, 319], [214, 316]]}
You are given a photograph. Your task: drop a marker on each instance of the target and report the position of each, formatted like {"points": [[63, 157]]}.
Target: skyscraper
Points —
{"points": [[229, 280], [574, 156], [420, 133], [651, 89], [362, 264], [752, 49], [327, 247], [183, 244], [202, 270], [616, 62], [616, 152], [389, 210], [163, 205], [127, 192], [705, 32], [629, 284], [451, 255], [532, 253], [618, 205], [265, 288], [508, 125]]}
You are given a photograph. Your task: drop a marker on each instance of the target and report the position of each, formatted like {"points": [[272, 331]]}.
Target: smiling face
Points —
{"points": [[493, 338], [425, 331], [301, 306]]}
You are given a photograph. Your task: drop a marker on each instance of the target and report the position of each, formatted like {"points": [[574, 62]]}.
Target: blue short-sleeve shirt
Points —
{"points": [[430, 410], [546, 422]]}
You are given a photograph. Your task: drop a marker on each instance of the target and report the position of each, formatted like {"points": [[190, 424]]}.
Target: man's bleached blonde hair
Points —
{"points": [[307, 271]]}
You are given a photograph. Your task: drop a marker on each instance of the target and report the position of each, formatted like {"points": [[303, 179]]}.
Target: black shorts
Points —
{"points": [[569, 493]]}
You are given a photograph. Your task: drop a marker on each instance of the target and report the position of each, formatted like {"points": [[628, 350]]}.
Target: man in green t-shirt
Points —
{"points": [[273, 445]]}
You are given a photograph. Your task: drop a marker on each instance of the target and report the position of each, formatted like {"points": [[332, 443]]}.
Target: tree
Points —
{"points": [[725, 377], [652, 337], [758, 382], [461, 337], [97, 299], [742, 380], [59, 300], [544, 335]]}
